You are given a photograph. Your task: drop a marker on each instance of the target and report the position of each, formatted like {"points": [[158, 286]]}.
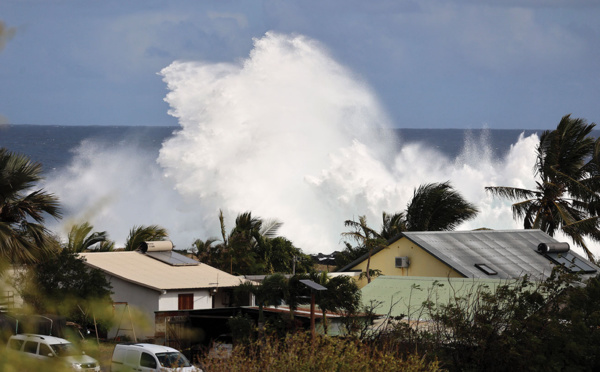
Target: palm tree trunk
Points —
{"points": [[369, 267]]}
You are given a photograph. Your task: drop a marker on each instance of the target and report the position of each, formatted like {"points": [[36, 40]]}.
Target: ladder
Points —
{"points": [[125, 308]]}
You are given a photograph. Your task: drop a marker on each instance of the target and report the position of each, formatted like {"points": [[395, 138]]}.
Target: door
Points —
{"points": [[148, 362]]}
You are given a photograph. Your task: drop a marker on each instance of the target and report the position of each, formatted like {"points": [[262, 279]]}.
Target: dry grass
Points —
{"points": [[299, 353]]}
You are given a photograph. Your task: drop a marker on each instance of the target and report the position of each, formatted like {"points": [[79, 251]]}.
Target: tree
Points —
{"points": [[270, 292], [81, 238], [246, 247], [568, 179], [393, 225], [140, 234], [366, 237], [65, 285], [279, 255], [437, 207], [433, 207], [342, 295], [23, 236], [204, 250]]}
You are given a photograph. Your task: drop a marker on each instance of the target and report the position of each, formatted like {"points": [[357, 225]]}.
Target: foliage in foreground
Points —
{"points": [[298, 352], [526, 326], [64, 285]]}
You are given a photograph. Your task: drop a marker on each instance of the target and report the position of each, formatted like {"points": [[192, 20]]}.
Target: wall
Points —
{"points": [[142, 303], [170, 300], [422, 263]]}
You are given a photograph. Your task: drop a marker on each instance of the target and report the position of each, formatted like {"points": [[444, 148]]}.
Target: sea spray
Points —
{"points": [[287, 133]]}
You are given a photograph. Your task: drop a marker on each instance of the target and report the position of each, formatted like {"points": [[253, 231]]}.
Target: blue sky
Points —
{"points": [[435, 64]]}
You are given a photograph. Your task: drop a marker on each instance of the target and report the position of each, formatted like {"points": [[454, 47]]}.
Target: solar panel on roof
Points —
{"points": [[571, 262], [172, 258]]}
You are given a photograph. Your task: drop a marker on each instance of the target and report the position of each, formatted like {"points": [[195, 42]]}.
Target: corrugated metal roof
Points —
{"points": [[146, 271], [510, 253], [404, 295]]}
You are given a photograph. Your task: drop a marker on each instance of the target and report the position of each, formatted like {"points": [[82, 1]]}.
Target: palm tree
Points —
{"points": [[434, 207], [393, 225], [81, 239], [23, 236], [248, 236], [140, 234], [203, 250], [270, 292], [342, 295], [565, 198], [437, 207], [365, 236]]}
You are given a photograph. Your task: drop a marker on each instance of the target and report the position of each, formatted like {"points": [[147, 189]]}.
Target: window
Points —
{"points": [[186, 301], [30, 347], [147, 361], [16, 344], [45, 350], [486, 269]]}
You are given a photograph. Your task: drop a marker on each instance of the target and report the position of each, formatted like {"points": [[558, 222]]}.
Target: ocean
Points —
{"points": [[53, 145], [181, 177]]}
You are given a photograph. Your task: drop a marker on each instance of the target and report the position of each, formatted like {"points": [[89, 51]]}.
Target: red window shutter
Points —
{"points": [[186, 301]]}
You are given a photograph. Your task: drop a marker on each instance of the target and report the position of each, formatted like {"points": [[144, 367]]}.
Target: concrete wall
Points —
{"points": [[421, 262], [170, 300], [141, 302]]}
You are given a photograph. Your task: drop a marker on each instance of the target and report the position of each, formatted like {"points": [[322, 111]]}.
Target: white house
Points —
{"points": [[158, 279]]}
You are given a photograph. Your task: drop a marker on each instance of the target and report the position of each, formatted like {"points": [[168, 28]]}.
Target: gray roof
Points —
{"points": [[508, 253]]}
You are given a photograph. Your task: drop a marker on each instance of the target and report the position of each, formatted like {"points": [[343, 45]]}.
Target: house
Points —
{"points": [[403, 296], [155, 278], [491, 254]]}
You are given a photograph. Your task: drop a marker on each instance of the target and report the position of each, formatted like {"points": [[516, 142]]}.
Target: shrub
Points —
{"points": [[299, 352]]}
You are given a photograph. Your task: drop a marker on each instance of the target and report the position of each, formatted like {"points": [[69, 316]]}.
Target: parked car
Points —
{"points": [[47, 349], [149, 357]]}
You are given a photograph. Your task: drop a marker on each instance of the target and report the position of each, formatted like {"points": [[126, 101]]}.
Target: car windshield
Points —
{"points": [[172, 360], [63, 350]]}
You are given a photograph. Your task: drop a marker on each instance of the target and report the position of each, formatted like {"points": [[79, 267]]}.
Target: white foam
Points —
{"points": [[288, 133]]}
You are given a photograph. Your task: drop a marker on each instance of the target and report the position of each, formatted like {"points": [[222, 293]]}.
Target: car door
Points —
{"points": [[44, 351], [30, 348], [148, 362], [132, 361]]}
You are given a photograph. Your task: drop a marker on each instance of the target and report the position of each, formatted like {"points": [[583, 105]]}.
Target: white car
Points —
{"points": [[149, 358], [50, 348]]}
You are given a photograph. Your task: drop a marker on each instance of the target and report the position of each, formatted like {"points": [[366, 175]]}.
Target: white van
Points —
{"points": [[51, 349], [149, 357]]}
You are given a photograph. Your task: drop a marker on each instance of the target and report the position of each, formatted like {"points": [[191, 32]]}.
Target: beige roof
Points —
{"points": [[146, 271]]}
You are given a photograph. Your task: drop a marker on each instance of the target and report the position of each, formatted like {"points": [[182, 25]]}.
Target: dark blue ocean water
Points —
{"points": [[52, 145]]}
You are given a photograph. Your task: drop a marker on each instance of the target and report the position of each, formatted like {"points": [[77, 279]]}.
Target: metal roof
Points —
{"points": [[507, 253], [510, 253], [404, 295], [146, 271]]}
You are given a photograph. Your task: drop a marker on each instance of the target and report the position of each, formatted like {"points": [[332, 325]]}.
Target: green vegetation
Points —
{"points": [[433, 207], [298, 352], [252, 247], [553, 325], [65, 286], [81, 239], [23, 236], [140, 234], [523, 325], [568, 178]]}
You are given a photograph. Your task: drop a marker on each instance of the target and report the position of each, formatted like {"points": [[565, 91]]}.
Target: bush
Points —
{"points": [[298, 352]]}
